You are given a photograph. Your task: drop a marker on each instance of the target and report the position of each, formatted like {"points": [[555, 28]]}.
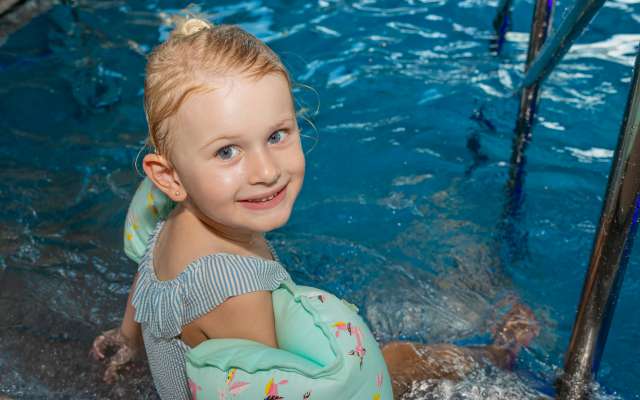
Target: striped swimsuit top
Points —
{"points": [[164, 307]]}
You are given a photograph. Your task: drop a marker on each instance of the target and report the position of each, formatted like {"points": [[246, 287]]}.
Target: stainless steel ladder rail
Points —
{"points": [[501, 24], [621, 210], [609, 257], [515, 241], [560, 42]]}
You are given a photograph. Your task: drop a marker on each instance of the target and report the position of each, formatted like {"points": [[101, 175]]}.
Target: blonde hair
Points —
{"points": [[177, 68]]}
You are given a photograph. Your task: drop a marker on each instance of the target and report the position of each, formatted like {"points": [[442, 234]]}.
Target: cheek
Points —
{"points": [[226, 179], [296, 161], [213, 183], [226, 182], [301, 165]]}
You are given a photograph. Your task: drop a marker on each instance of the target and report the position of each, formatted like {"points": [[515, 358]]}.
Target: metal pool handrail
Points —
{"points": [[609, 257], [540, 23], [621, 209], [501, 23], [560, 42]]}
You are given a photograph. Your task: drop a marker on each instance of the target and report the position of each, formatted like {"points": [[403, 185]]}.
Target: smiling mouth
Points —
{"points": [[265, 199]]}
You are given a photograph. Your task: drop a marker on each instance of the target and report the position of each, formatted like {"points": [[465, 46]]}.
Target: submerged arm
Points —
{"points": [[125, 340]]}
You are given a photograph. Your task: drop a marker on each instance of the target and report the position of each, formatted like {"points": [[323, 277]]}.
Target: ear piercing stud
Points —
{"points": [[177, 193]]}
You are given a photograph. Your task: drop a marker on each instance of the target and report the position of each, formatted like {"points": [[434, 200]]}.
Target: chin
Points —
{"points": [[269, 223], [269, 219]]}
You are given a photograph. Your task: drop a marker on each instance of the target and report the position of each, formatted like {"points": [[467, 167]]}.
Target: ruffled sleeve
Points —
{"points": [[164, 307]]}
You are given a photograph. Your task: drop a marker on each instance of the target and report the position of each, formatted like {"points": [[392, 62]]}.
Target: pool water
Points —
{"points": [[402, 207]]}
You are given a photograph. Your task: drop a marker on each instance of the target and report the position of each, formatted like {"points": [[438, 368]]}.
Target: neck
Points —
{"points": [[244, 239]]}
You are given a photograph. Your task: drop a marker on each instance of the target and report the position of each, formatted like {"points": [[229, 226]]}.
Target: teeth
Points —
{"points": [[264, 200]]}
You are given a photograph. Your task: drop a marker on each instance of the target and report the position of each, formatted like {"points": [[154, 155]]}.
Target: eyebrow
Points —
{"points": [[231, 137]]}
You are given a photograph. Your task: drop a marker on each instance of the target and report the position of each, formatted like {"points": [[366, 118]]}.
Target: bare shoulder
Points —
{"points": [[248, 316], [178, 245]]}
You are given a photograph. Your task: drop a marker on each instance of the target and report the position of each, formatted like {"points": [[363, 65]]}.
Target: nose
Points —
{"points": [[264, 168]]}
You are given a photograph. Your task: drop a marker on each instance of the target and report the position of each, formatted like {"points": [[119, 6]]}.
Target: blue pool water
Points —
{"points": [[403, 199]]}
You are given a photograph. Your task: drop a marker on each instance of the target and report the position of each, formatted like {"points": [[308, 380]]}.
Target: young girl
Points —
{"points": [[227, 151]]}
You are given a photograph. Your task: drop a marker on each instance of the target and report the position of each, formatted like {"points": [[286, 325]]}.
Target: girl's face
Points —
{"points": [[237, 153]]}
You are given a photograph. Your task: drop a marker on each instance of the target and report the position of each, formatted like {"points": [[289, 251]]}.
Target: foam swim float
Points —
{"points": [[325, 350]]}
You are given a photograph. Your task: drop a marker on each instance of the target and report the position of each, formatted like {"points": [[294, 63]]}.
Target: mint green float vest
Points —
{"points": [[326, 351]]}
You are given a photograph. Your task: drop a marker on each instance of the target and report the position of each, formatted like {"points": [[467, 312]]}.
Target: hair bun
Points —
{"points": [[191, 26]]}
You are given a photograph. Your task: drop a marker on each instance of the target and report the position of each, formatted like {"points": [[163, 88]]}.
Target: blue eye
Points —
{"points": [[277, 137], [227, 152]]}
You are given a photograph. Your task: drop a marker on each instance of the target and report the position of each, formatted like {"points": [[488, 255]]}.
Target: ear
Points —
{"points": [[164, 176]]}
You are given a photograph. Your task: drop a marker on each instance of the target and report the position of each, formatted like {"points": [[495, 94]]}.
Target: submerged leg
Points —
{"points": [[409, 362]]}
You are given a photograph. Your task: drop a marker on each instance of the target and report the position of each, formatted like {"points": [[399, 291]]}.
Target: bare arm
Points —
{"points": [[129, 327], [125, 340], [248, 316]]}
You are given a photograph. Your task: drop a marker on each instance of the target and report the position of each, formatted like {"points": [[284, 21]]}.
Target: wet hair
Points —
{"points": [[180, 66]]}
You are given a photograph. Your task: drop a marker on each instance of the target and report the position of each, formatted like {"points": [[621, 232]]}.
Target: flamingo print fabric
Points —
{"points": [[326, 352]]}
